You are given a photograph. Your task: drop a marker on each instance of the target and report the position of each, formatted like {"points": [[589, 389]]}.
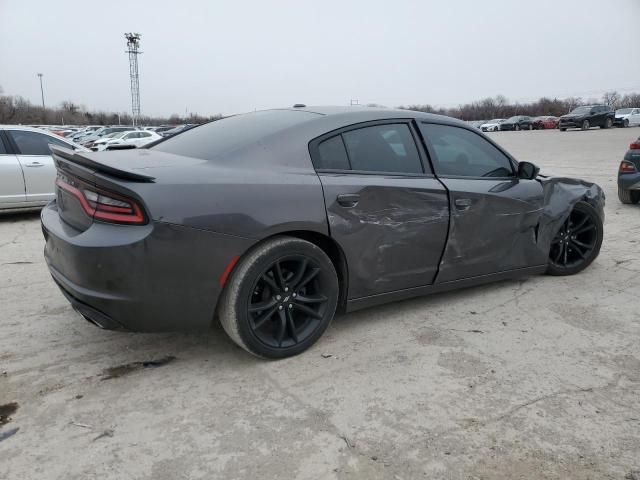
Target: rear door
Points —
{"points": [[12, 191], [634, 118], [37, 165], [494, 215], [384, 206]]}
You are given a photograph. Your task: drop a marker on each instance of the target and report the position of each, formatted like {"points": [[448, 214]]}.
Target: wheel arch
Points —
{"points": [[327, 244]]}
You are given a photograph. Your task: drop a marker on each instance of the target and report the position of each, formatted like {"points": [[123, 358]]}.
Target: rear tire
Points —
{"points": [[280, 298], [607, 123], [577, 243], [562, 129], [628, 196]]}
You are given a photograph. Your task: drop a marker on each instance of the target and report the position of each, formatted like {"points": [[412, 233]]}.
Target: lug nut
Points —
{"points": [[294, 295], [286, 289], [290, 306], [279, 307], [278, 297]]}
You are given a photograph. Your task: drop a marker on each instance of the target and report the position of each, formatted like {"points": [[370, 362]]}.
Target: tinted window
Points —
{"points": [[332, 154], [34, 143], [460, 152], [3, 150], [223, 136], [383, 148]]}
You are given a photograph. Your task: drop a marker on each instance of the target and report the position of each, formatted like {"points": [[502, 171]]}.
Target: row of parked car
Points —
{"points": [[111, 137], [583, 117]]}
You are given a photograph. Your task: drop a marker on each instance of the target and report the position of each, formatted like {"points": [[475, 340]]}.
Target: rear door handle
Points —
{"points": [[34, 164], [463, 203], [348, 199]]}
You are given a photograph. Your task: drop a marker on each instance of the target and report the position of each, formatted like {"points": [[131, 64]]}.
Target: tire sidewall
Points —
{"points": [[557, 270], [255, 264]]}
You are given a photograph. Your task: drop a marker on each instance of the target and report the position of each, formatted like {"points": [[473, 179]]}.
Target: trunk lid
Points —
{"points": [[114, 171]]}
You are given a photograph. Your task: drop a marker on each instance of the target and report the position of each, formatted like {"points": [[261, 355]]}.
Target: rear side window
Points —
{"points": [[224, 136], [332, 154], [463, 153], [3, 149], [383, 148], [34, 143]]}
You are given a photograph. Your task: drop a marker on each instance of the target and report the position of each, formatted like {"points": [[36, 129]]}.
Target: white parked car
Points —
{"points": [[27, 172], [492, 125], [626, 117], [137, 138]]}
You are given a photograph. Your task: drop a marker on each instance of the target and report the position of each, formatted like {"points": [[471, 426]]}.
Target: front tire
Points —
{"points": [[625, 124], [517, 127], [586, 125], [628, 196], [577, 243], [280, 298], [607, 123]]}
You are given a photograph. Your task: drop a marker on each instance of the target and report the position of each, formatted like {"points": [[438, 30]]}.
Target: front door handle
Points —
{"points": [[348, 199], [463, 203], [34, 164]]}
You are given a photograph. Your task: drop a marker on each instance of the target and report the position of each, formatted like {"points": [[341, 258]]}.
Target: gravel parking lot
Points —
{"points": [[537, 378]]}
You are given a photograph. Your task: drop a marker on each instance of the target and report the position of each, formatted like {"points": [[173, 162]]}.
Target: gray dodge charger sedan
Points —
{"points": [[274, 220]]}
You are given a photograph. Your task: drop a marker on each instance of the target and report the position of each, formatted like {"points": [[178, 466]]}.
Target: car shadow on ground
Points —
{"points": [[215, 346], [9, 217]]}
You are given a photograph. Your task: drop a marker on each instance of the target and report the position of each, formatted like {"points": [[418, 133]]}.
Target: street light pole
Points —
{"points": [[42, 93]]}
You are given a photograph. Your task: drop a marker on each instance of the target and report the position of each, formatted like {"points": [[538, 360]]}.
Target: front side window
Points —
{"points": [[383, 148], [34, 143], [3, 150], [463, 153]]}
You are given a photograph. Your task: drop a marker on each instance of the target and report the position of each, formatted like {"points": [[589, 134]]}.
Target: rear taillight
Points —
{"points": [[635, 145], [627, 167], [102, 205]]}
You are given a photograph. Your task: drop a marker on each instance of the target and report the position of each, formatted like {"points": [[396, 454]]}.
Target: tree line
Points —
{"points": [[18, 110], [500, 107]]}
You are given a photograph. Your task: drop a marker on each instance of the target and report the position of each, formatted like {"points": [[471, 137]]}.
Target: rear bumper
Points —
{"points": [[629, 181], [149, 278], [619, 121]]}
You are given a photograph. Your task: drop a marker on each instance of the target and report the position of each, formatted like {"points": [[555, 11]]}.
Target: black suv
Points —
{"points": [[588, 116], [519, 122]]}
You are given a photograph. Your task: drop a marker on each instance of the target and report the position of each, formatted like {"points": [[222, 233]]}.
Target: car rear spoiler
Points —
{"points": [[67, 155]]}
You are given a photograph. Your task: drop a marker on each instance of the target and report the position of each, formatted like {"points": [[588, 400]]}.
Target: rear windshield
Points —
{"points": [[223, 136]]}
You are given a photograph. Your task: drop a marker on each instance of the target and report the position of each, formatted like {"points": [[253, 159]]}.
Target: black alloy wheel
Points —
{"points": [[280, 298], [578, 241], [287, 302]]}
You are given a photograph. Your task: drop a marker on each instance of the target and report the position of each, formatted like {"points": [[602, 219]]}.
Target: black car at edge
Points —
{"points": [[274, 220], [629, 175]]}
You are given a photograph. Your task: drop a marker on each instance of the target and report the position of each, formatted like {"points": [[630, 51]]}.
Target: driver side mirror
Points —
{"points": [[527, 170]]}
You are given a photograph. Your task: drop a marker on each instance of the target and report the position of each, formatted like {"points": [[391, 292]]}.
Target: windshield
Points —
{"points": [[514, 119], [223, 136], [496, 120], [624, 111], [581, 110]]}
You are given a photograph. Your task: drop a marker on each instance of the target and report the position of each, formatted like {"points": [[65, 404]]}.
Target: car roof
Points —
{"points": [[355, 114]]}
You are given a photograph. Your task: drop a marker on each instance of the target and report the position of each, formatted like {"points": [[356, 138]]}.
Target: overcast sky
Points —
{"points": [[234, 56]]}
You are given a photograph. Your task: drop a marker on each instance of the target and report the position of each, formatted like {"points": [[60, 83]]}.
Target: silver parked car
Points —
{"points": [[27, 172]]}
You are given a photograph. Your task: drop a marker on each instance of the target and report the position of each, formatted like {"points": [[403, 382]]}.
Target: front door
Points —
{"points": [[385, 208], [11, 179], [37, 164], [494, 215]]}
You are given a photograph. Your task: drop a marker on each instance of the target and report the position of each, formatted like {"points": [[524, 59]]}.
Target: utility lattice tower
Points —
{"points": [[133, 45]]}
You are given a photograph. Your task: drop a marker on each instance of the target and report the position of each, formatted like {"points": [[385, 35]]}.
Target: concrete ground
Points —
{"points": [[530, 379]]}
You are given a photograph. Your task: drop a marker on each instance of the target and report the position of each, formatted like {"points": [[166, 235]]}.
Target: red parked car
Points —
{"points": [[544, 123]]}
